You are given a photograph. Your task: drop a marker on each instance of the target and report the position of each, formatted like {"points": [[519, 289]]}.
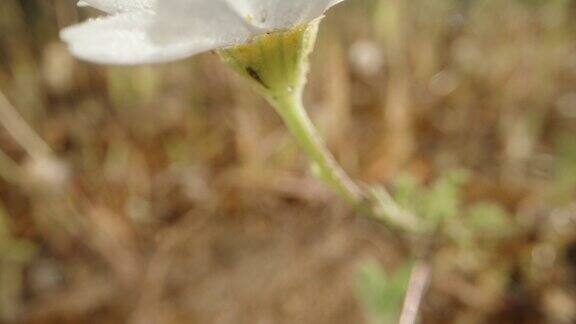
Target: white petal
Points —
{"points": [[122, 39], [281, 14], [185, 19], [116, 6]]}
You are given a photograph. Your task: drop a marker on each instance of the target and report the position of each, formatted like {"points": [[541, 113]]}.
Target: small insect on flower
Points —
{"points": [[156, 31]]}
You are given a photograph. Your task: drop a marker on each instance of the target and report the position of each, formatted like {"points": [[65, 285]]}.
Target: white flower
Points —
{"points": [[155, 31]]}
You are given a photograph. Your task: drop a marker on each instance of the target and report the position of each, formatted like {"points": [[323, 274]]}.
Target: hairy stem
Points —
{"points": [[299, 124]]}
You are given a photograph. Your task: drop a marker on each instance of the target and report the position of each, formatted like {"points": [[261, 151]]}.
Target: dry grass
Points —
{"points": [[172, 194]]}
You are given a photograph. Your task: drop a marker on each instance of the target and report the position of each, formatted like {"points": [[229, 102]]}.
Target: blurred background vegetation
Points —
{"points": [[172, 194]]}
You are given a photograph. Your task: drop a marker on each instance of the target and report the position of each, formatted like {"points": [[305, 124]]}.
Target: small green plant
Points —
{"points": [[443, 214], [426, 208], [382, 293]]}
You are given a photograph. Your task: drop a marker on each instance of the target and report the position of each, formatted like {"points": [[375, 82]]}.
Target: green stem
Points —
{"points": [[292, 111], [299, 124], [276, 64]]}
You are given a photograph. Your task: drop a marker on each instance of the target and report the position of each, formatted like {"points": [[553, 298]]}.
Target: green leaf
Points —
{"points": [[381, 293]]}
